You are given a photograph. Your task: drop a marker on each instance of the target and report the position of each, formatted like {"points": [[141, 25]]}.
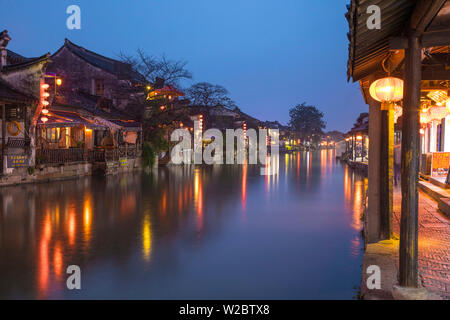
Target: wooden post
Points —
{"points": [[3, 106], [372, 224], [386, 173], [410, 165], [353, 148]]}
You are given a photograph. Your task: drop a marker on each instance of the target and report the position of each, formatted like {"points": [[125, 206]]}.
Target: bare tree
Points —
{"points": [[152, 67], [207, 94]]}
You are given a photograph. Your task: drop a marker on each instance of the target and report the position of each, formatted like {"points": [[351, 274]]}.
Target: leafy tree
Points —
{"points": [[209, 95], [307, 121], [151, 67]]}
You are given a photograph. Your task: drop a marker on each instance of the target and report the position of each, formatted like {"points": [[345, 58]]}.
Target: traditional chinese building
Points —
{"points": [[20, 80], [92, 112]]}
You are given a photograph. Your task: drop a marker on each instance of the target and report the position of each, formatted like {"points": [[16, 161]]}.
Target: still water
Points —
{"points": [[210, 232]]}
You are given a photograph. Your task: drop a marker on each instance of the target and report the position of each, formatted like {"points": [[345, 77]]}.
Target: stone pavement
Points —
{"points": [[434, 244]]}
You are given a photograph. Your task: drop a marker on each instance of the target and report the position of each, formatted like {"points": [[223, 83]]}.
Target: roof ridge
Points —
{"points": [[26, 63], [70, 43]]}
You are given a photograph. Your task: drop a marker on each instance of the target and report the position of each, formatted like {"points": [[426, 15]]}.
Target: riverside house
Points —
{"points": [[20, 80], [90, 117], [67, 114]]}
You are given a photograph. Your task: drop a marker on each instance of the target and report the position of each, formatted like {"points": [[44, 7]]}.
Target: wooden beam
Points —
{"points": [[398, 43], [410, 165], [435, 73], [424, 13], [436, 38]]}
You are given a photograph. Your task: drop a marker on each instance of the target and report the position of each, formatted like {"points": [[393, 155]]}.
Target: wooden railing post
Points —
{"points": [[386, 173]]}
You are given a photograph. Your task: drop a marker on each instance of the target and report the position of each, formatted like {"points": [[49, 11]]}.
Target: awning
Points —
{"points": [[114, 125], [60, 119], [127, 125]]}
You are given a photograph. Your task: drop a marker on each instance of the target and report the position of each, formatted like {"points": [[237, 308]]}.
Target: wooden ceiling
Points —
{"points": [[369, 48]]}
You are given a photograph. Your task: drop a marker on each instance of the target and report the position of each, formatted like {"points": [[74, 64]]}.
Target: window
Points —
{"points": [[99, 87], [98, 136], [52, 135], [14, 112]]}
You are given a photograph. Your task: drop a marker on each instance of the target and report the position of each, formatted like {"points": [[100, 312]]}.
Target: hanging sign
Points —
{"points": [[17, 160], [123, 162], [439, 164]]}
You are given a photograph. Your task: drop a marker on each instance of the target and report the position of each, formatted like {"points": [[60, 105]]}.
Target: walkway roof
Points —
{"points": [[368, 48]]}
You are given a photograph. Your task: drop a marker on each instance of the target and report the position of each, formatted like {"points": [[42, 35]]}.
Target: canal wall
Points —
{"points": [[54, 172], [362, 167]]}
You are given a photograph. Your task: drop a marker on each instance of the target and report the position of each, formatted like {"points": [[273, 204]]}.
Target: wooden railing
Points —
{"points": [[60, 156]]}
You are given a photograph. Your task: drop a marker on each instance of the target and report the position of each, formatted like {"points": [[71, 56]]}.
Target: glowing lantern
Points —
{"points": [[44, 111], [44, 95], [44, 119], [422, 132], [424, 117], [398, 112], [437, 113], [387, 91], [58, 82], [359, 137]]}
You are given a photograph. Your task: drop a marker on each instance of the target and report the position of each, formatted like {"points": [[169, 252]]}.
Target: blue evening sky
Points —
{"points": [[270, 55]]}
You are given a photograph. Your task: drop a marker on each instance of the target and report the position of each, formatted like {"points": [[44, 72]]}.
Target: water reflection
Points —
{"points": [[230, 230]]}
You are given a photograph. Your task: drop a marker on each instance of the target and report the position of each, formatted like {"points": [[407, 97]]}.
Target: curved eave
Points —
{"points": [[26, 64]]}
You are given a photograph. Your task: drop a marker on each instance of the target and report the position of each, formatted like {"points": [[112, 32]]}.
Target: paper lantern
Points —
{"points": [[44, 119], [387, 91], [398, 112], [437, 113], [424, 117]]}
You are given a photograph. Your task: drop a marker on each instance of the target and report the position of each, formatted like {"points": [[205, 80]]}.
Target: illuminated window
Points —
{"points": [[52, 135]]}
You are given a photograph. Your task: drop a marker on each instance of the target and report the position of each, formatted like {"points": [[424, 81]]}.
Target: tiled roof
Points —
{"points": [[58, 118], [14, 58], [10, 94], [25, 63], [122, 70], [97, 106]]}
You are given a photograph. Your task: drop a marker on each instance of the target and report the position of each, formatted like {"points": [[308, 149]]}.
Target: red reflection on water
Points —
{"points": [[244, 187], [57, 260], [72, 225], [87, 218], [43, 258], [43, 269], [198, 198], [323, 163]]}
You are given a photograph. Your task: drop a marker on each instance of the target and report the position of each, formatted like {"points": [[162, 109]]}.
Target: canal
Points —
{"points": [[209, 232]]}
